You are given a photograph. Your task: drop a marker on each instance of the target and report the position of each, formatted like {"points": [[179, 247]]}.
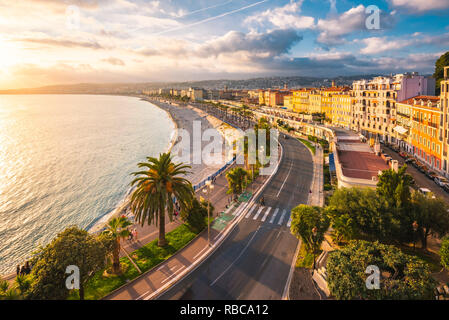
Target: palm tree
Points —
{"points": [[156, 188], [117, 228], [236, 178]]}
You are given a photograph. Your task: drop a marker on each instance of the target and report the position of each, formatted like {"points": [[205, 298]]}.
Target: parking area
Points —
{"points": [[421, 180]]}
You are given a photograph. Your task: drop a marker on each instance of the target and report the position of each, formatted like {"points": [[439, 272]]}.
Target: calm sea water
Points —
{"points": [[66, 160]]}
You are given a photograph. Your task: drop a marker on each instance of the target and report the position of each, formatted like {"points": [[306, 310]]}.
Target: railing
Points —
{"points": [[214, 175]]}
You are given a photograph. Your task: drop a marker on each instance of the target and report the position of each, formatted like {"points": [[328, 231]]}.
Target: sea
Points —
{"points": [[67, 160]]}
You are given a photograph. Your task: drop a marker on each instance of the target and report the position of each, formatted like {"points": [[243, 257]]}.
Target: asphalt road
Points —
{"points": [[254, 261]]}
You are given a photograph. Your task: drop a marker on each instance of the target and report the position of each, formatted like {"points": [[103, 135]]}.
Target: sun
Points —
{"points": [[9, 54]]}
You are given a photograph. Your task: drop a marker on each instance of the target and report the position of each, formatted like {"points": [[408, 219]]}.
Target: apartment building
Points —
{"points": [[444, 104], [340, 112], [426, 136], [374, 113], [272, 98]]}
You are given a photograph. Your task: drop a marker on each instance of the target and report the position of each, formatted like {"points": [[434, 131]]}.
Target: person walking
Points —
{"points": [[18, 269], [130, 236], [27, 268], [135, 234]]}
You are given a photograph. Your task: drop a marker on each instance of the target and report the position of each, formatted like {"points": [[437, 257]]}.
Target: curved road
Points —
{"points": [[254, 261]]}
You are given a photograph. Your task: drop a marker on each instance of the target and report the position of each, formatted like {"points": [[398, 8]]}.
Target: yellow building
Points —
{"points": [[315, 102], [341, 109], [288, 103], [301, 101]]}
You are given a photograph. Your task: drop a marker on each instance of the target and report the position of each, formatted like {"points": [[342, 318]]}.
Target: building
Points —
{"points": [[444, 104], [341, 109], [301, 100], [426, 136], [404, 124], [288, 102], [272, 98], [374, 112], [197, 94]]}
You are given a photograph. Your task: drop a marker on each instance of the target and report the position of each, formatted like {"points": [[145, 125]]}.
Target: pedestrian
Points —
{"points": [[176, 214], [22, 271], [27, 268], [310, 191], [130, 235], [135, 234], [18, 269]]}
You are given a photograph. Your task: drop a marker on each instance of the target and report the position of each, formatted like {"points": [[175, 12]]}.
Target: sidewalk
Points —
{"points": [[316, 198], [152, 283]]}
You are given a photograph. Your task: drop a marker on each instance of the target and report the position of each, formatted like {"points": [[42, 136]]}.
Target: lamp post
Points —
{"points": [[209, 187], [415, 229], [314, 234]]}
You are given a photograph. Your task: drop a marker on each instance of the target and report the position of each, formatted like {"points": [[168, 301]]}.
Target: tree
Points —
{"points": [[117, 229], [431, 215], [156, 189], [304, 219], [8, 293], [236, 178], [73, 246], [402, 276], [354, 213], [444, 252], [195, 215], [442, 62]]}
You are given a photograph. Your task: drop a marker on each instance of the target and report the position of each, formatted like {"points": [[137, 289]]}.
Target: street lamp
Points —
{"points": [[415, 229], [207, 190], [314, 234]]}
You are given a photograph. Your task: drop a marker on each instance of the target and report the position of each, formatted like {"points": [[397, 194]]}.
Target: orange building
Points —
{"points": [[426, 139]]}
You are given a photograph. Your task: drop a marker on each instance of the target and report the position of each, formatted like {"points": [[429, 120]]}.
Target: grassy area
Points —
{"points": [[432, 259], [305, 259], [308, 144], [146, 258], [327, 177]]}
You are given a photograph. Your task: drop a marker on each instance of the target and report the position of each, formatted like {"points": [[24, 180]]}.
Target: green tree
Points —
{"points": [[304, 219], [73, 246], [7, 292], [195, 215], [117, 229], [442, 62], [444, 252], [402, 276], [431, 215], [156, 188], [236, 179], [354, 213]]}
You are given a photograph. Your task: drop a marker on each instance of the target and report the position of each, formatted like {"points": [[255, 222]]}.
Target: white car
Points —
{"points": [[426, 192], [441, 181]]}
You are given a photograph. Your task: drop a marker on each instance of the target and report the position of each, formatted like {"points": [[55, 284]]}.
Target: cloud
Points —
{"points": [[285, 17], [62, 42], [114, 61], [333, 30], [376, 45], [421, 5]]}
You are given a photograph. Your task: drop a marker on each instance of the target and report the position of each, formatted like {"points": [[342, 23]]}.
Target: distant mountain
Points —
{"points": [[133, 88]]}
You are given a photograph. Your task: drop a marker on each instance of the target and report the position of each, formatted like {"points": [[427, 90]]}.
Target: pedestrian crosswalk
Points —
{"points": [[276, 216]]}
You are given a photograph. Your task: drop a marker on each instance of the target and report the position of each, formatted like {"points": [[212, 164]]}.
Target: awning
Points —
{"points": [[400, 129]]}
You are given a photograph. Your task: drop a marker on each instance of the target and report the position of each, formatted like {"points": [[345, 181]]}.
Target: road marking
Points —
{"points": [[251, 211], [244, 249], [274, 215], [266, 213], [258, 212], [289, 221], [205, 247], [174, 274], [282, 216], [288, 174], [166, 266]]}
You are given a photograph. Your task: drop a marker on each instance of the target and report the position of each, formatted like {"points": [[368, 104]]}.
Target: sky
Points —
{"points": [[45, 42]]}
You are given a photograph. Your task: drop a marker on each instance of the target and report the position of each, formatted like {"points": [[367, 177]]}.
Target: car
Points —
{"points": [[402, 154], [441, 181], [426, 192], [410, 160], [431, 174], [446, 187]]}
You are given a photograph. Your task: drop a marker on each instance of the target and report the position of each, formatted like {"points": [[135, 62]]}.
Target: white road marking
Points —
{"points": [[266, 214], [282, 217], [251, 211], [166, 266], [258, 212], [288, 174], [244, 249], [174, 274], [289, 222], [205, 247], [274, 215]]}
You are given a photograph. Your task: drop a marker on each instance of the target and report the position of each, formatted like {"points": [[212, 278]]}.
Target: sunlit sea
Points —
{"points": [[66, 160]]}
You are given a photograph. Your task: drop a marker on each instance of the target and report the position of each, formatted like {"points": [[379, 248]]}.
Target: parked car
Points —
{"points": [[410, 161], [441, 181], [403, 154], [426, 192], [446, 187], [431, 174]]}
